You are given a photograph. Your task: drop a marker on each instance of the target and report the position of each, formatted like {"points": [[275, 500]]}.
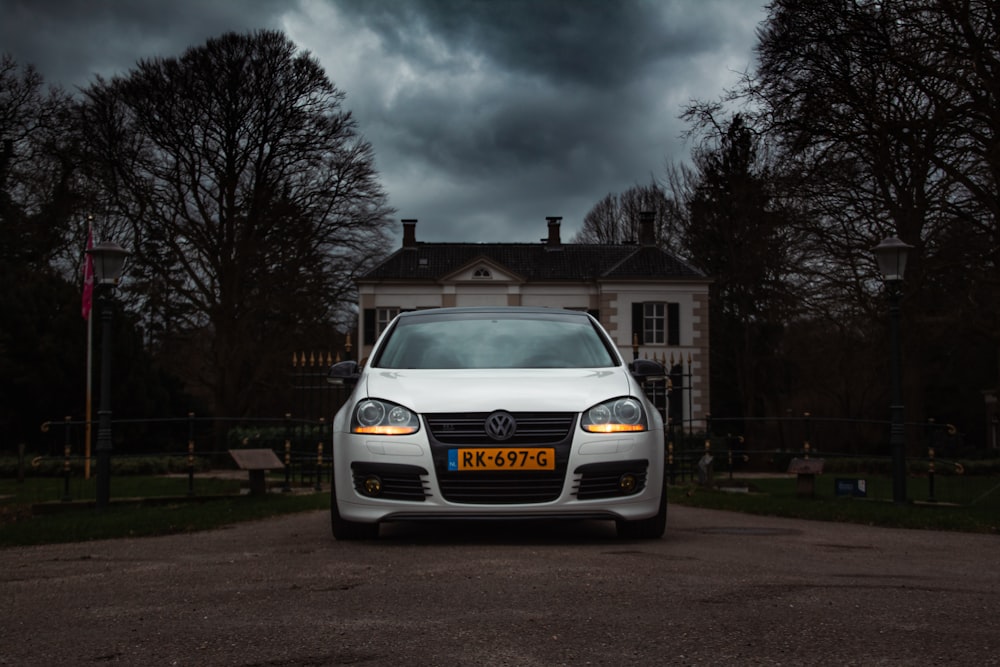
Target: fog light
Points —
{"points": [[627, 483], [373, 485]]}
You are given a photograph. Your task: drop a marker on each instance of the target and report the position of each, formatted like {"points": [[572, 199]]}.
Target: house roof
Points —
{"points": [[571, 262]]}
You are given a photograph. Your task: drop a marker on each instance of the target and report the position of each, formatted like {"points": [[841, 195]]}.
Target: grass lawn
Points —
{"points": [[161, 505], [166, 508], [963, 503]]}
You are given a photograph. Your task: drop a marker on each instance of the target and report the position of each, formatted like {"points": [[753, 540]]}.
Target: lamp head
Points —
{"points": [[891, 256], [109, 260]]}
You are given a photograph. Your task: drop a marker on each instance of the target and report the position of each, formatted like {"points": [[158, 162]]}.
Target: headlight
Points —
{"points": [[377, 417], [619, 415]]}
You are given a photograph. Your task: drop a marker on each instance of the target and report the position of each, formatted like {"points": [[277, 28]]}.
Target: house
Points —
{"points": [[653, 304]]}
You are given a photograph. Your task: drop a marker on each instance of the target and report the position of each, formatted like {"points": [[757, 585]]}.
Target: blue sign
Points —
{"points": [[855, 488]]}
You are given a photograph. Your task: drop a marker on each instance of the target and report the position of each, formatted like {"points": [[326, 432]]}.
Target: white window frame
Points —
{"points": [[654, 323], [383, 316]]}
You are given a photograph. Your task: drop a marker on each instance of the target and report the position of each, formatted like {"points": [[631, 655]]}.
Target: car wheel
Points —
{"points": [[344, 529], [646, 529]]}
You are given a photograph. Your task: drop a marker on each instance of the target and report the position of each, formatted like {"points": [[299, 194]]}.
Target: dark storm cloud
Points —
{"points": [[70, 41], [538, 108], [486, 116], [585, 41]]}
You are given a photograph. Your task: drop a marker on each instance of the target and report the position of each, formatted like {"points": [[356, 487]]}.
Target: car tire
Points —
{"points": [[344, 529], [646, 529]]}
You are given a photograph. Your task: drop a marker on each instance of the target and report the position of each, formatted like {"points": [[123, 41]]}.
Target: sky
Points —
{"points": [[486, 116]]}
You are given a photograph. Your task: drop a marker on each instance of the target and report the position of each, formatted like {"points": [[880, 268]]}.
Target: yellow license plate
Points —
{"points": [[502, 458]]}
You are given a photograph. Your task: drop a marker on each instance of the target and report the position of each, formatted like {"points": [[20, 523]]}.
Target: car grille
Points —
{"points": [[534, 429], [600, 480], [399, 482], [469, 429]]}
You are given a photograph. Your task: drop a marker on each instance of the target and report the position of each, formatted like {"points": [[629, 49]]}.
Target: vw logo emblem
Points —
{"points": [[501, 425]]}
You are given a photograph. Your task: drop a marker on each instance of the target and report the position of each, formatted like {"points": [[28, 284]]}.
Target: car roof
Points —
{"points": [[519, 310]]}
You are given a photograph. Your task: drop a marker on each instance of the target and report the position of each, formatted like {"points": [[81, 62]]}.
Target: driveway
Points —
{"points": [[719, 588]]}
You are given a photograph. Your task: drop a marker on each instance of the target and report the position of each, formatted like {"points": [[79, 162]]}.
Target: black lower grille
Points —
{"points": [[399, 482], [601, 480], [501, 488]]}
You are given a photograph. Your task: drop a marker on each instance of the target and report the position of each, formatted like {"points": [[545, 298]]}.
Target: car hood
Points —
{"points": [[485, 390]]}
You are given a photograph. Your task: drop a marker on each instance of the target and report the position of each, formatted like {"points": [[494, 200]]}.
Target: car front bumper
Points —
{"points": [[598, 476]]}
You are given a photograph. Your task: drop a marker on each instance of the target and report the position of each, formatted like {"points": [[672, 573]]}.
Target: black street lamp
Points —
{"points": [[891, 256], [109, 260]]}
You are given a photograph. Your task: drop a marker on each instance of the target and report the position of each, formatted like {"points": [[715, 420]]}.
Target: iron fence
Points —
{"points": [[302, 438]]}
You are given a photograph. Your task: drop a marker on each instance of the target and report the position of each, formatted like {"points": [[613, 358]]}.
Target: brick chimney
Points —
{"points": [[647, 228], [409, 233], [553, 242]]}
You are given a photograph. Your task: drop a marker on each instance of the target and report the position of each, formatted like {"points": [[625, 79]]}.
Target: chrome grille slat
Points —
{"points": [[469, 428]]}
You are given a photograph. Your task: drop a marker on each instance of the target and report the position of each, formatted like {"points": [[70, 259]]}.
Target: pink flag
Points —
{"points": [[88, 276]]}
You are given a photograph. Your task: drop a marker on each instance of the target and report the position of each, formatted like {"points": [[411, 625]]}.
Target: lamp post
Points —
{"points": [[891, 256], [109, 260]]}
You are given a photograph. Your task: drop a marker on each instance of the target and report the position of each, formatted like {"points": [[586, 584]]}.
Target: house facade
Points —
{"points": [[654, 305]]}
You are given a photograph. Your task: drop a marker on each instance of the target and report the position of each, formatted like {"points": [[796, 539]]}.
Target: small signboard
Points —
{"points": [[854, 488], [256, 459], [806, 466], [258, 462]]}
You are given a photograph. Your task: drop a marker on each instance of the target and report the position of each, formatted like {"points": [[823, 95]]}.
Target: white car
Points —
{"points": [[510, 413]]}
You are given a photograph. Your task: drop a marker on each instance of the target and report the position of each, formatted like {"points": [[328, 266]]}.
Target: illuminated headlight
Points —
{"points": [[620, 415], [376, 417]]}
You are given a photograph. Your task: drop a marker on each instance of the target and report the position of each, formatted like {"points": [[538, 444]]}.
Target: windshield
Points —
{"points": [[493, 340]]}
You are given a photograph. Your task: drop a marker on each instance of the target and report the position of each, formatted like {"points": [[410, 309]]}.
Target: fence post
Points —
{"points": [[190, 454], [319, 456], [670, 461], [729, 454], [930, 476], [705, 472], [288, 453], [66, 451], [689, 394], [805, 445]]}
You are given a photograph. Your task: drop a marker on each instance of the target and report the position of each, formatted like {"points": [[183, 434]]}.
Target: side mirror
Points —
{"points": [[646, 370], [344, 374]]}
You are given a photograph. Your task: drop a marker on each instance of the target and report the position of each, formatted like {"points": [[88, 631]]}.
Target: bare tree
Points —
{"points": [[885, 117], [736, 230], [37, 191], [615, 219], [249, 198], [954, 63], [602, 224], [42, 368]]}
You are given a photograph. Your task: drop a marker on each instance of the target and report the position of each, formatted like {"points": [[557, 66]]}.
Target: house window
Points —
{"points": [[482, 273], [656, 323], [653, 323], [382, 318], [375, 322]]}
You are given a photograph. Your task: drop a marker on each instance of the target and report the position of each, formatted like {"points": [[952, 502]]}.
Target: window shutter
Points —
{"points": [[636, 323], [673, 324], [596, 314], [369, 326]]}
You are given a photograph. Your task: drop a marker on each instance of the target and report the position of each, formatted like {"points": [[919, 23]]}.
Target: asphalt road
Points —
{"points": [[718, 589]]}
